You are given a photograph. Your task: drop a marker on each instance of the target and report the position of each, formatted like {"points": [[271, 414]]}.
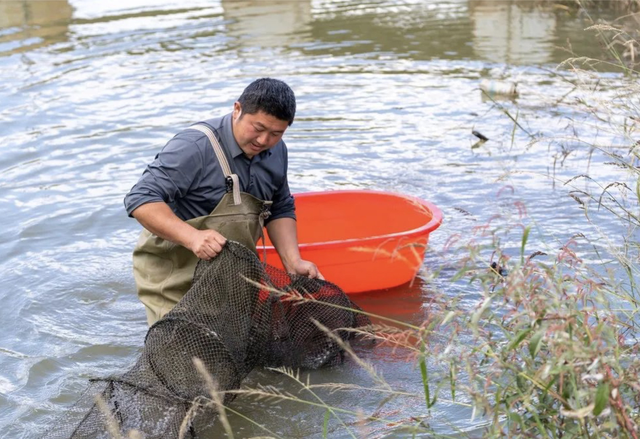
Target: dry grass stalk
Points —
{"points": [[189, 417], [112, 425], [373, 373], [215, 394]]}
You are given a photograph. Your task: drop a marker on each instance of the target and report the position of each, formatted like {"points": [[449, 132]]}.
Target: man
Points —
{"points": [[212, 182]]}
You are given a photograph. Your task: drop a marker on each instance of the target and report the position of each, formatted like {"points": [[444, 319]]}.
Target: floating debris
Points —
{"points": [[505, 88]]}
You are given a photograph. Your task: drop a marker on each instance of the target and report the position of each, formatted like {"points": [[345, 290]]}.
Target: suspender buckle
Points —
{"points": [[265, 212], [229, 184]]}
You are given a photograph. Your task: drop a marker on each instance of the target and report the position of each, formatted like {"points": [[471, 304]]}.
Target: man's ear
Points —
{"points": [[237, 111]]}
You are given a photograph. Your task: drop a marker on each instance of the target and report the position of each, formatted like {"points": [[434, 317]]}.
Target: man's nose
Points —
{"points": [[263, 138]]}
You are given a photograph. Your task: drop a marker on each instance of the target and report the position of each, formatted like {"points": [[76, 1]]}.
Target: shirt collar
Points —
{"points": [[227, 137]]}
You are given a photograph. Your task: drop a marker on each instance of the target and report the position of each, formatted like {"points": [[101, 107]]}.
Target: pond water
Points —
{"points": [[388, 94]]}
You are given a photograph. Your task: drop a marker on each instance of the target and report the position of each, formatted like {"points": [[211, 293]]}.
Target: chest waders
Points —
{"points": [[163, 271]]}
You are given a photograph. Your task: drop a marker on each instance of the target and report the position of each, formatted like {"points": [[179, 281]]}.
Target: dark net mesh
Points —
{"points": [[233, 320]]}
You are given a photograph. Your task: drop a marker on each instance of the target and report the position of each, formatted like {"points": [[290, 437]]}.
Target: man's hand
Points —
{"points": [[306, 268], [206, 244], [284, 236], [159, 219]]}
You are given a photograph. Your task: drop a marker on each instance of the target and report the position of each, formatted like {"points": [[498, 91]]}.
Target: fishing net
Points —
{"points": [[233, 319]]}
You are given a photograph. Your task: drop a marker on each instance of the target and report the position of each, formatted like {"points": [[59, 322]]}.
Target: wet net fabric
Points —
{"points": [[233, 320]]}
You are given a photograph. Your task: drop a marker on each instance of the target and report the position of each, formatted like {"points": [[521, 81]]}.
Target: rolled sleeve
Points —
{"points": [[168, 178]]}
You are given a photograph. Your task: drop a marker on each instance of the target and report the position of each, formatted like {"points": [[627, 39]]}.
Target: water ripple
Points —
{"points": [[388, 94]]}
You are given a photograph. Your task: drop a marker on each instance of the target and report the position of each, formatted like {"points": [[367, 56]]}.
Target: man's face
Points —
{"points": [[256, 132]]}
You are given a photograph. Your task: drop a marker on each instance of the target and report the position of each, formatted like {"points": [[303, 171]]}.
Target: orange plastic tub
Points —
{"points": [[362, 240]]}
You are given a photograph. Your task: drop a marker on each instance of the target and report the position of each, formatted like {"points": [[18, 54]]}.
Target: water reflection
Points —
{"points": [[408, 303], [512, 32], [406, 27], [267, 23], [26, 25]]}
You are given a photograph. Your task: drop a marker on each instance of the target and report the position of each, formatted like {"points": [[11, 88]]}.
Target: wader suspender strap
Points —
{"points": [[226, 169], [222, 159]]}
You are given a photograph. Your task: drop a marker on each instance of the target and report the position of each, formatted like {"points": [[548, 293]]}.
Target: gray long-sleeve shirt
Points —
{"points": [[187, 176]]}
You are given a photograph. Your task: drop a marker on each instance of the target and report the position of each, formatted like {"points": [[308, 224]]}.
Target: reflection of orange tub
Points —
{"points": [[362, 240]]}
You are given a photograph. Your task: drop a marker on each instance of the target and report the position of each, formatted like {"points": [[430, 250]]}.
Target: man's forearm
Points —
{"points": [[283, 233], [159, 219]]}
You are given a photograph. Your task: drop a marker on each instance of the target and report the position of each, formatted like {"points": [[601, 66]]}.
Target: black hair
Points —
{"points": [[271, 96]]}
